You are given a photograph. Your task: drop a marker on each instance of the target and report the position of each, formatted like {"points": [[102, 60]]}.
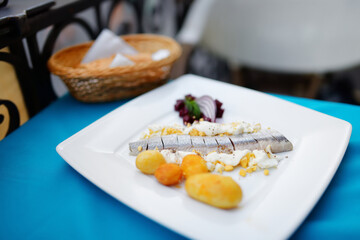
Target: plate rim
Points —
{"points": [[61, 149]]}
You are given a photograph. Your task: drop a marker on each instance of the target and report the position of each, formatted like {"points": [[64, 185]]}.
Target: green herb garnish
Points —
{"points": [[192, 107]]}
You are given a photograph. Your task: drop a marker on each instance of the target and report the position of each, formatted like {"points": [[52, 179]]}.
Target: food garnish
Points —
{"points": [[195, 109], [201, 151]]}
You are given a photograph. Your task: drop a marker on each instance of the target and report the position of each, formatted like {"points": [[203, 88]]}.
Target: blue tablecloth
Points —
{"points": [[42, 197]]}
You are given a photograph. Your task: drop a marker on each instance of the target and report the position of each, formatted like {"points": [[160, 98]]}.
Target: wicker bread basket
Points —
{"points": [[96, 82]]}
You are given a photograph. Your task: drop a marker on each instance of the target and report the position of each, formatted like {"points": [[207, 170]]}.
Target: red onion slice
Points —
{"points": [[207, 107]]}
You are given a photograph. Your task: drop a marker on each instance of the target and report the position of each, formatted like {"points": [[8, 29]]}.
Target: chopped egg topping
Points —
{"points": [[203, 128], [219, 168], [249, 161], [242, 173], [228, 159], [174, 157], [214, 129]]}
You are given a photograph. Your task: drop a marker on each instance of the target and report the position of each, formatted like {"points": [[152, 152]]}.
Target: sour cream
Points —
{"points": [[262, 160], [229, 159]]}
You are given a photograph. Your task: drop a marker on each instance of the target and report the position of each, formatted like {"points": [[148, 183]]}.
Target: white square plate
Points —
{"points": [[272, 207]]}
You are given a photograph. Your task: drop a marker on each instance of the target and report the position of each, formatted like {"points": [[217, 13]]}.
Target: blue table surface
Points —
{"points": [[42, 197]]}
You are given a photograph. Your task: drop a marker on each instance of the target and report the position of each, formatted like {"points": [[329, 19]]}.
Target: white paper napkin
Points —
{"points": [[120, 60], [106, 45], [160, 54]]}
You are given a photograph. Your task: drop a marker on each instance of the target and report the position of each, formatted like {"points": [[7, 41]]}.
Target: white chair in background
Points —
{"points": [[289, 36]]}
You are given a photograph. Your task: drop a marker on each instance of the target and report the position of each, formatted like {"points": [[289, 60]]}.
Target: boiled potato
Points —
{"points": [[215, 190], [148, 161], [193, 164], [168, 174]]}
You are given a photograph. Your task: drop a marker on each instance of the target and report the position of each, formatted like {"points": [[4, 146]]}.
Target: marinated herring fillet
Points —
{"points": [[222, 144]]}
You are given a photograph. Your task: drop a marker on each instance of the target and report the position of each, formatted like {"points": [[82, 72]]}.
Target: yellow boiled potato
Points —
{"points": [[168, 174], [215, 190], [148, 161], [193, 164]]}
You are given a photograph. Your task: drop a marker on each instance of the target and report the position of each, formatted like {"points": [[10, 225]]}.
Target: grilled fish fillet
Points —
{"points": [[224, 144]]}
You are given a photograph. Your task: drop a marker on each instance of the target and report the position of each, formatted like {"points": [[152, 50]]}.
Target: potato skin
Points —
{"points": [[169, 174], [148, 161], [215, 190], [193, 164]]}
